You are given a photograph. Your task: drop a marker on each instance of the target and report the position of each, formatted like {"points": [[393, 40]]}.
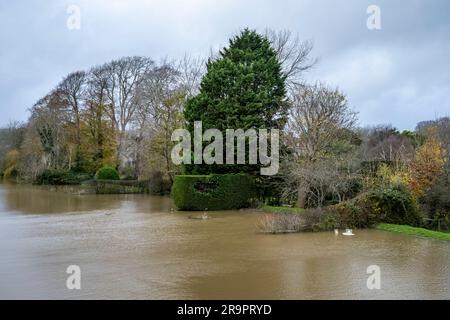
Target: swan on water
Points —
{"points": [[348, 232]]}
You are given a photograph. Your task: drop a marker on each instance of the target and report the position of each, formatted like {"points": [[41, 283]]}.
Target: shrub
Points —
{"points": [[436, 202], [281, 223], [355, 213], [10, 164], [394, 205], [213, 192], [286, 222], [157, 183], [107, 173], [61, 177], [120, 186]]}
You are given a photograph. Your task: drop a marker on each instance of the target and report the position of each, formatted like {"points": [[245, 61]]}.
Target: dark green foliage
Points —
{"points": [[213, 192], [61, 177], [355, 213], [270, 189], [416, 138], [243, 88], [437, 202], [383, 205], [107, 173], [394, 205], [157, 184]]}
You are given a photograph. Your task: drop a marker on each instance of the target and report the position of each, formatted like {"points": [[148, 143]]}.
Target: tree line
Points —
{"points": [[123, 113]]}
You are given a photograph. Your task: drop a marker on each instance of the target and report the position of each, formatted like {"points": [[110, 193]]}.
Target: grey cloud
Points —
{"points": [[398, 75]]}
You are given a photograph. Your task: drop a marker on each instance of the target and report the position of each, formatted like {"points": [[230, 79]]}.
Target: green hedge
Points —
{"points": [[213, 192], [392, 204], [395, 205], [107, 173], [61, 177]]}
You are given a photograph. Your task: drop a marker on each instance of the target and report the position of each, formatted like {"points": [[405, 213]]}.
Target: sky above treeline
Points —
{"points": [[399, 74]]}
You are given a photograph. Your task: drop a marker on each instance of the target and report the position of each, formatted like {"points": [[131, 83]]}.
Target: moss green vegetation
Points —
{"points": [[291, 210], [419, 232], [213, 192], [61, 177], [107, 173], [392, 204]]}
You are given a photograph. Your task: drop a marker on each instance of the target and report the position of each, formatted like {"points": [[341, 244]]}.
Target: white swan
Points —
{"points": [[348, 232]]}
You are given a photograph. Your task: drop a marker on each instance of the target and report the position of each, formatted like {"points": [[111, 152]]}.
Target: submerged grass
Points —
{"points": [[419, 232]]}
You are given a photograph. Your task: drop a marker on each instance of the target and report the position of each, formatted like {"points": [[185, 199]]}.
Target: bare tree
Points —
{"points": [[11, 138], [293, 54], [49, 125], [71, 88], [190, 73], [318, 119], [385, 143], [99, 131], [442, 125], [160, 112], [124, 78]]}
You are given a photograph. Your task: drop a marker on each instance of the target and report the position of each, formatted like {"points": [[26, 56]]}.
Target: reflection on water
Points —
{"points": [[134, 246]]}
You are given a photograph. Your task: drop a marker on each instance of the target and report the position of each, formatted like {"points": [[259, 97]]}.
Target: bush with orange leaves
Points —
{"points": [[428, 165]]}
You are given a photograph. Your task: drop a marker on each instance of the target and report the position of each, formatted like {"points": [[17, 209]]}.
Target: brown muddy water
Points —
{"points": [[135, 247]]}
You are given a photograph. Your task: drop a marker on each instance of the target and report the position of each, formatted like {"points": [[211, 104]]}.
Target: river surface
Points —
{"points": [[137, 247]]}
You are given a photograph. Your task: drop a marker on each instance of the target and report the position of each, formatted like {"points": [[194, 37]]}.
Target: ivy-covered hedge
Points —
{"points": [[213, 192], [392, 204]]}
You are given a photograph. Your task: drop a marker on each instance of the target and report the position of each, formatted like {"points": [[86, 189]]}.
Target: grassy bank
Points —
{"points": [[272, 209], [419, 232]]}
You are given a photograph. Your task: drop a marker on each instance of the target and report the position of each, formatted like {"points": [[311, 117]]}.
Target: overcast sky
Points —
{"points": [[398, 75]]}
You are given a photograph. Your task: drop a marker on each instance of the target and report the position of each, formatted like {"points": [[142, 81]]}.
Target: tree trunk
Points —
{"points": [[301, 195]]}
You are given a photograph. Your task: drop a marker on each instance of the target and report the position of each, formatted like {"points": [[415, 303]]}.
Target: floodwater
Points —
{"points": [[136, 247]]}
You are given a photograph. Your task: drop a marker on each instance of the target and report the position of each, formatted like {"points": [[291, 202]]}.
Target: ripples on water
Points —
{"points": [[134, 246]]}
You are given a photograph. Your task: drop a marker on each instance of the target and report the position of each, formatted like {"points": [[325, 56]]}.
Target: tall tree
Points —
{"points": [[159, 114], [71, 89], [124, 79], [293, 54], [243, 88]]}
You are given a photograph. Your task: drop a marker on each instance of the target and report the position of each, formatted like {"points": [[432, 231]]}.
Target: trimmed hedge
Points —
{"points": [[107, 173], [213, 192], [61, 177]]}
